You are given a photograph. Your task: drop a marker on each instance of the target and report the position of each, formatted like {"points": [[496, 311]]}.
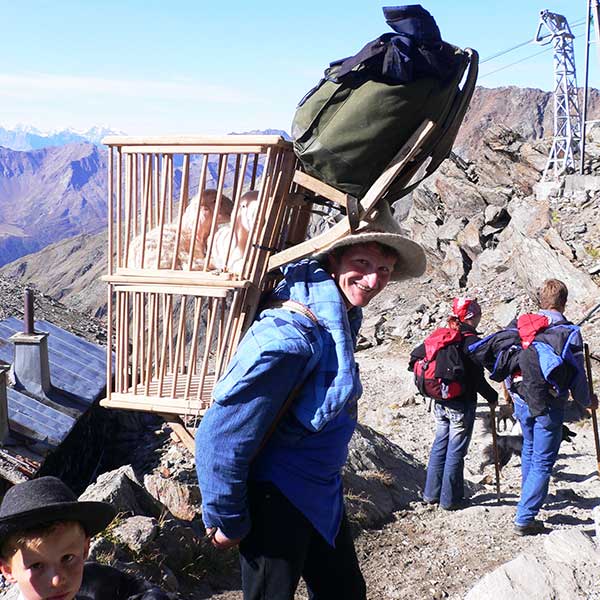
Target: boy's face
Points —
{"points": [[52, 569]]}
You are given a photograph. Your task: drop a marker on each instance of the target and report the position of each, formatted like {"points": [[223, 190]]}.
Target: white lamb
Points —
{"points": [[234, 236], [167, 240]]}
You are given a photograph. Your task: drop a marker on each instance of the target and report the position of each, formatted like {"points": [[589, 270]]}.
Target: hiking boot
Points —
{"points": [[429, 501], [456, 505], [532, 528]]}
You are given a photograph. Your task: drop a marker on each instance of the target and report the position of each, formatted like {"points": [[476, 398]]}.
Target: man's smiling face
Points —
{"points": [[361, 272]]}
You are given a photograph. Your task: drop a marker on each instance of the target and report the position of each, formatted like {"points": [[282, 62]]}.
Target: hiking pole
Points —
{"points": [[588, 368], [495, 447]]}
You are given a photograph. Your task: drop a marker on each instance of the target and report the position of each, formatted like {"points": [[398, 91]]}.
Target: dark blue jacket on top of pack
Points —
{"points": [[414, 51], [497, 352]]}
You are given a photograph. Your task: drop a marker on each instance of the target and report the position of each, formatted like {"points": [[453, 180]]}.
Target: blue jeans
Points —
{"points": [[445, 478], [541, 441]]}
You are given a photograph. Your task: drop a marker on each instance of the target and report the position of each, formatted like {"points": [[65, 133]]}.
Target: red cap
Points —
{"points": [[465, 308]]}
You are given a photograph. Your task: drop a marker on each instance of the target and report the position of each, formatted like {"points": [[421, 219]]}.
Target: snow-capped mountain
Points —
{"points": [[25, 137]]}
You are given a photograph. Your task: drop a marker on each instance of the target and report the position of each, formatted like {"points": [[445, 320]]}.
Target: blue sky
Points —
{"points": [[199, 67]]}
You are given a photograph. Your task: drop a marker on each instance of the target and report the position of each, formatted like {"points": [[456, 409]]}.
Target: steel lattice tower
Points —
{"points": [[592, 16], [567, 118]]}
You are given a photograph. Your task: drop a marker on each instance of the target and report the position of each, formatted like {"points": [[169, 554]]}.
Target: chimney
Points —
{"points": [[4, 431], [31, 368]]}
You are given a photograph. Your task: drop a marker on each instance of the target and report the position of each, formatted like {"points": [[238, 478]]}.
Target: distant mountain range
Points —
{"points": [[50, 194], [24, 137]]}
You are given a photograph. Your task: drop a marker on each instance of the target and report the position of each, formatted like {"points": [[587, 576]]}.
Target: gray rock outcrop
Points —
{"points": [[565, 568]]}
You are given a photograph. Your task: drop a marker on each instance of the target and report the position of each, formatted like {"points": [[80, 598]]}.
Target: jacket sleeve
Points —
{"points": [[475, 372], [269, 363], [486, 390], [579, 386]]}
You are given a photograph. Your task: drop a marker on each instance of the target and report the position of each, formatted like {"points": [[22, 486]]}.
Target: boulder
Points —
{"points": [[503, 314], [469, 238], [422, 226], [528, 217], [553, 239], [450, 230], [492, 214], [137, 533], [534, 261], [564, 568], [178, 544], [379, 478], [182, 499], [122, 489], [454, 267]]}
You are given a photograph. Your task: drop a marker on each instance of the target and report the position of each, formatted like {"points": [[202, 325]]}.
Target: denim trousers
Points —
{"points": [[541, 441], [283, 546], [445, 472]]}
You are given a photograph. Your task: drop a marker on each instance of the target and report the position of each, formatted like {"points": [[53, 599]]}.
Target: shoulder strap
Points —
{"points": [[299, 308], [293, 306]]}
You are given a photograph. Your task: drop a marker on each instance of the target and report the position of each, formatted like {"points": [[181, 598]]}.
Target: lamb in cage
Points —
{"points": [[230, 241], [166, 240]]}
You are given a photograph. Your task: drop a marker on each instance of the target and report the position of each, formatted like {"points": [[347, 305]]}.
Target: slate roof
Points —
{"points": [[39, 425]]}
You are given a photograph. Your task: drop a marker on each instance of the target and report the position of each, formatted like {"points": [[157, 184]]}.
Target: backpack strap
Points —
{"points": [[293, 306], [297, 307]]}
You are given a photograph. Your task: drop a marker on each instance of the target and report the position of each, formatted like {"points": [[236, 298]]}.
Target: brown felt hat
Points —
{"points": [[381, 227], [46, 500]]}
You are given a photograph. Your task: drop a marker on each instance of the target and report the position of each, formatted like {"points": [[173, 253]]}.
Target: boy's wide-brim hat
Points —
{"points": [[46, 500], [381, 227]]}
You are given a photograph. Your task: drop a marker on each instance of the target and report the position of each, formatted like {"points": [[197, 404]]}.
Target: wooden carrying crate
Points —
{"points": [[178, 300], [195, 226], [177, 308]]}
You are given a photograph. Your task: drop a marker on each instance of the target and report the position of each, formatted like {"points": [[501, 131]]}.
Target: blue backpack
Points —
{"points": [[555, 345]]}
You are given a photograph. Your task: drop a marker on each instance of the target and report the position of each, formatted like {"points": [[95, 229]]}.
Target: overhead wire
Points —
{"points": [[524, 58], [521, 45]]}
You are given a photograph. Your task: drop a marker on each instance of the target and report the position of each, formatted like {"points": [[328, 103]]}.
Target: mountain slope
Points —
{"points": [[527, 111], [69, 271], [29, 138], [50, 194]]}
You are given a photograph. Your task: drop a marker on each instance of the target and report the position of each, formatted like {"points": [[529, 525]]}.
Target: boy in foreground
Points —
{"points": [[44, 541]]}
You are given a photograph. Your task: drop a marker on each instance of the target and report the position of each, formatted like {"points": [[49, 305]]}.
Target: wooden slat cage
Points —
{"points": [[197, 224], [193, 222]]}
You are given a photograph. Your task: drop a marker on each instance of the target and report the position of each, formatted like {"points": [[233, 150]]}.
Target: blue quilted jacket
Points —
{"points": [[305, 455]]}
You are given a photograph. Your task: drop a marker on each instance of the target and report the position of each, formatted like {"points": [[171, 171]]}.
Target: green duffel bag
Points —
{"points": [[351, 125]]}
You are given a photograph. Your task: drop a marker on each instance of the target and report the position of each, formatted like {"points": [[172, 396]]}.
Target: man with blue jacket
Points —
{"points": [[552, 365], [271, 481]]}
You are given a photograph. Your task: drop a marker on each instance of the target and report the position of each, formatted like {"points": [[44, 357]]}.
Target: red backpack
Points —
{"points": [[439, 375]]}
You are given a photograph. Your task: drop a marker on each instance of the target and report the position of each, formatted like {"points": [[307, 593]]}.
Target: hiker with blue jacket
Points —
{"points": [[270, 450], [270, 481], [540, 404], [454, 405]]}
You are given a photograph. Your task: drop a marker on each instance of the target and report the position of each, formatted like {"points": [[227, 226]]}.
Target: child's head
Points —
{"points": [[553, 295], [44, 537], [46, 562], [466, 310]]}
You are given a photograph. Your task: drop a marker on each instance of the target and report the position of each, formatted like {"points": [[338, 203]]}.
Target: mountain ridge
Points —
{"points": [[57, 193], [24, 138]]}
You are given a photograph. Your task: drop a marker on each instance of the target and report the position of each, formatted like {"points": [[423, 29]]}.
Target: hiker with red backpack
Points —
{"points": [[445, 373], [551, 365]]}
